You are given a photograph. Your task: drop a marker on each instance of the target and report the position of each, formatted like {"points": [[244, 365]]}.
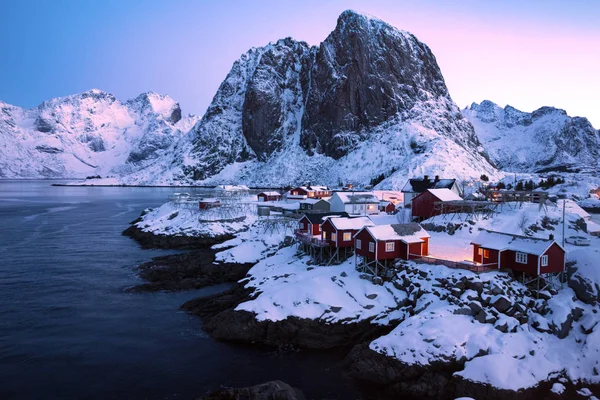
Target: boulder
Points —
{"points": [[274, 390], [501, 303]]}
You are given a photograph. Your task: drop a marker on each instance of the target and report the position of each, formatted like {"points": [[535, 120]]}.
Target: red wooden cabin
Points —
{"points": [[423, 203], [269, 196], [339, 232], [388, 242], [310, 224], [312, 192], [531, 256], [206, 204]]}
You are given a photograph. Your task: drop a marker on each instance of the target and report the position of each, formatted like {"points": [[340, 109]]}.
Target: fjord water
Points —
{"points": [[69, 330]]}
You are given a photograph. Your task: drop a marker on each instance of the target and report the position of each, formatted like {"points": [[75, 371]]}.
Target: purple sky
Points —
{"points": [[524, 53]]}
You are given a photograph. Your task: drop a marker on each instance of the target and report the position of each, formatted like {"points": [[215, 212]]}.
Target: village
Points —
{"points": [[378, 228], [515, 266]]}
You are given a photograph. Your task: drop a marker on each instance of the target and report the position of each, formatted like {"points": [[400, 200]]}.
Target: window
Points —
{"points": [[358, 243], [301, 225], [347, 236], [544, 261], [389, 247], [480, 251], [333, 238], [371, 247], [521, 258], [486, 253], [324, 235]]}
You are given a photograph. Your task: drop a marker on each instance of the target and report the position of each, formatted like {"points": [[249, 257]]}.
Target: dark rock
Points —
{"points": [[150, 240], [274, 390], [496, 290], [463, 311], [502, 304], [222, 322], [584, 289], [502, 327], [475, 307], [192, 270]]}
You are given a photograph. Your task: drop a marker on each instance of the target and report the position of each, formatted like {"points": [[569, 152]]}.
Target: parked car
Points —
{"points": [[578, 240]]}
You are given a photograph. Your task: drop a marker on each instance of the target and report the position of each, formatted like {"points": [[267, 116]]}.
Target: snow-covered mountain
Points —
{"points": [[369, 100], [91, 133], [544, 140]]}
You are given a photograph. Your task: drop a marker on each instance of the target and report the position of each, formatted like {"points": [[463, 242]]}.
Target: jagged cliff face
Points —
{"points": [[545, 140], [87, 134], [367, 91]]}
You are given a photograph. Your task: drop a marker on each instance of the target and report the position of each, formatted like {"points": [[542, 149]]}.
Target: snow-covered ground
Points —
{"points": [[512, 347]]}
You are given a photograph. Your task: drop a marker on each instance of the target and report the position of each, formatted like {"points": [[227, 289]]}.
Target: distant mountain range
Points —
{"points": [[369, 101]]}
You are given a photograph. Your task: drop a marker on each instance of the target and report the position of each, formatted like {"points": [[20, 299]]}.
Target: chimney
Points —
{"points": [[425, 177], [437, 178], [551, 237]]}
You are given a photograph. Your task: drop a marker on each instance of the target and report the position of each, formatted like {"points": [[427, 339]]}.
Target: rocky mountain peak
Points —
{"points": [[163, 105]]}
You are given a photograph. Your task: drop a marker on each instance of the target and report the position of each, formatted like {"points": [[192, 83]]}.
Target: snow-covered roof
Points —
{"points": [[422, 184], [384, 219], [343, 224], [592, 227], [444, 194], [312, 201], [357, 197], [313, 188], [504, 241], [407, 233], [270, 193], [318, 218], [209, 200], [393, 196]]}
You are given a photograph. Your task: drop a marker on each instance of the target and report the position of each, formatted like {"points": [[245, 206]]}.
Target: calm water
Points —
{"points": [[68, 330]]}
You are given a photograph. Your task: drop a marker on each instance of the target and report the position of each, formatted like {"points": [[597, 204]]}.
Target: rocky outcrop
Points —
{"points": [[274, 390], [223, 322], [150, 240], [192, 270]]}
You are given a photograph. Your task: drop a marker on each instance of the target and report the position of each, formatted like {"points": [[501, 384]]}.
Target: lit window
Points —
{"points": [[389, 246], [480, 251], [371, 247], [347, 236], [486, 253], [324, 235], [521, 258], [544, 261], [358, 243]]}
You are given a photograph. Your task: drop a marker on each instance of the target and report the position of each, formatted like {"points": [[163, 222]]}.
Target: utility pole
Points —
{"points": [[563, 231]]}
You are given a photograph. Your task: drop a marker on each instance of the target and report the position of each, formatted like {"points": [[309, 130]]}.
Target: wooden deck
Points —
{"points": [[466, 265]]}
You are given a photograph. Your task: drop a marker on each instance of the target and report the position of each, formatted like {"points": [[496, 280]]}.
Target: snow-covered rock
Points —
{"points": [[87, 134], [546, 139]]}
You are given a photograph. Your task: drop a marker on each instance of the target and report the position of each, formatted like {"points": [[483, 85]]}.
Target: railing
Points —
{"points": [[467, 265]]}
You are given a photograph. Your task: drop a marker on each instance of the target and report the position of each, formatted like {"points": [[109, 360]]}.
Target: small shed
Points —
{"points": [[387, 207], [314, 205], [532, 256], [423, 204], [269, 196], [209, 203]]}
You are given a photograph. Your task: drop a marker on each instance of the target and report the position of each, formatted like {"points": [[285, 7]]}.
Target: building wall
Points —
{"points": [[323, 206], [509, 260], [422, 205], [306, 223], [425, 246], [492, 259], [556, 260]]}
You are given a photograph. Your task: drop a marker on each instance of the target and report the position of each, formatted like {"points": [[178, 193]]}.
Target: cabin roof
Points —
{"points": [[445, 194], [419, 185], [270, 193], [317, 218], [313, 201], [505, 241], [312, 188], [357, 197], [344, 224], [384, 219], [209, 200], [407, 233]]}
